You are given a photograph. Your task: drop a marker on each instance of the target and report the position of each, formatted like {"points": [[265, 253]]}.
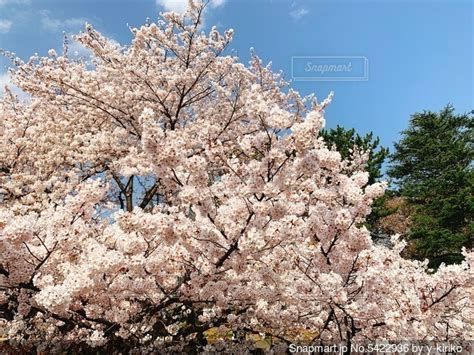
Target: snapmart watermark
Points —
{"points": [[329, 68], [385, 348]]}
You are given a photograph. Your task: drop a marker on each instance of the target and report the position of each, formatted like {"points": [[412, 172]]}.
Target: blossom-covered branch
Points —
{"points": [[164, 188]]}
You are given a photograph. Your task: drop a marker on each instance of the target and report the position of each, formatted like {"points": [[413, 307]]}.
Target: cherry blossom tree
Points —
{"points": [[163, 189]]}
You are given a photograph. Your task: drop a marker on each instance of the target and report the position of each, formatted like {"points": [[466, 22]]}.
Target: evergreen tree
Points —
{"points": [[433, 168]]}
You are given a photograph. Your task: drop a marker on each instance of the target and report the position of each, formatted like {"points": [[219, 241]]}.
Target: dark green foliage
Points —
{"points": [[433, 168], [345, 140]]}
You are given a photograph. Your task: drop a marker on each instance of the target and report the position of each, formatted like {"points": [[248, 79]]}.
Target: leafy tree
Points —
{"points": [[346, 139], [432, 166]]}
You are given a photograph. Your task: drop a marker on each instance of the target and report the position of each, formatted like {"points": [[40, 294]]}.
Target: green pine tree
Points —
{"points": [[433, 168]]}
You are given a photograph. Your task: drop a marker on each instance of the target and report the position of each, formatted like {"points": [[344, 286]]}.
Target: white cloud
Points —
{"points": [[5, 80], [5, 25], [173, 5], [17, 2], [52, 24], [75, 22], [181, 5], [299, 13], [78, 50], [217, 3]]}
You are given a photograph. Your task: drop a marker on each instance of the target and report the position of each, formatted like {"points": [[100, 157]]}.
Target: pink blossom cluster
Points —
{"points": [[163, 189]]}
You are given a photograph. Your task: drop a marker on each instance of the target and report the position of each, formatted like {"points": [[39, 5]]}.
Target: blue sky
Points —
{"points": [[420, 52]]}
